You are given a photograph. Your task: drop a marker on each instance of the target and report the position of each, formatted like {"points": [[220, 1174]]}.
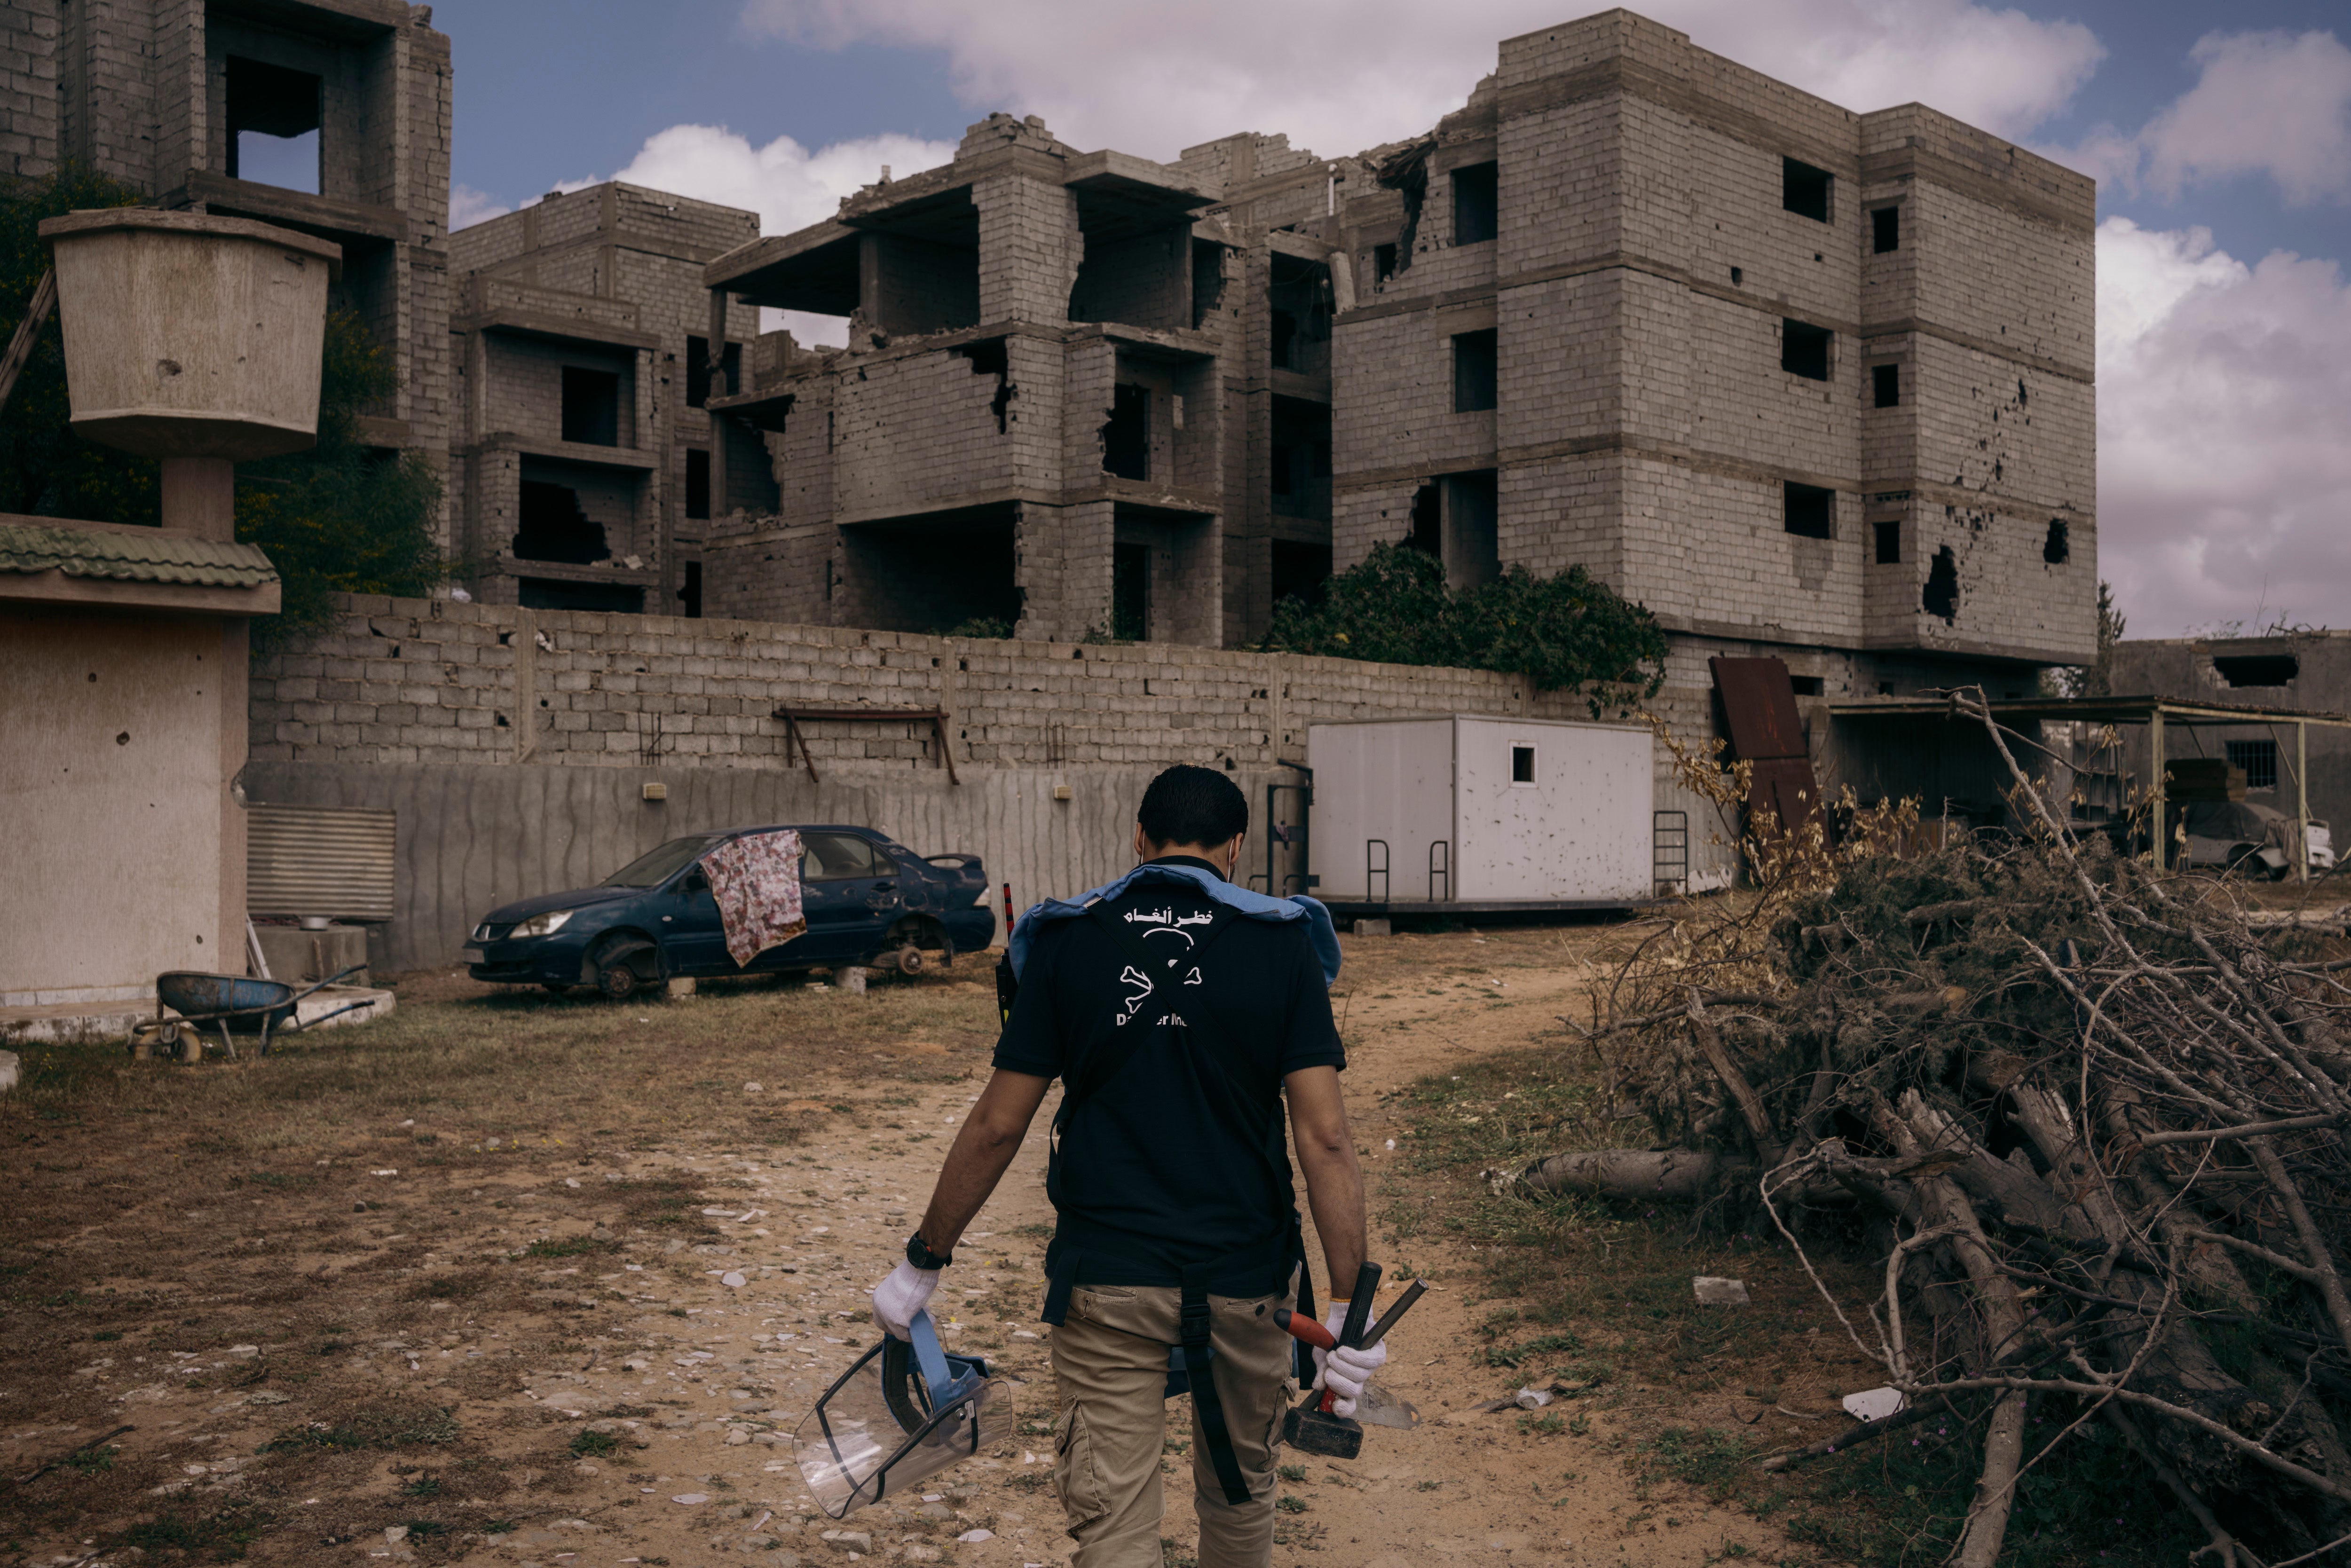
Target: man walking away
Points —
{"points": [[1178, 1011]]}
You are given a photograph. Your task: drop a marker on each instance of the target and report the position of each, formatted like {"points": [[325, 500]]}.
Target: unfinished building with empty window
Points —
{"points": [[1804, 382], [329, 117]]}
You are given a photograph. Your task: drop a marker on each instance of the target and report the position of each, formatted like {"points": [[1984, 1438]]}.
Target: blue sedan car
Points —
{"points": [[869, 902]]}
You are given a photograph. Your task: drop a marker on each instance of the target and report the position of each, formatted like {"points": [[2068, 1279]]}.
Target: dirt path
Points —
{"points": [[626, 1387]]}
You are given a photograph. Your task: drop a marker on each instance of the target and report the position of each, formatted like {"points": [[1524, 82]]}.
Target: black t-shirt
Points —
{"points": [[1181, 1157]]}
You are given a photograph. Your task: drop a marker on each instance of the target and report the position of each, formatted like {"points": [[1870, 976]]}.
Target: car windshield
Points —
{"points": [[652, 870]]}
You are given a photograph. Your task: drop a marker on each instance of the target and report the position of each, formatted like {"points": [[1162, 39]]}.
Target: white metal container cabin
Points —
{"points": [[1472, 813]]}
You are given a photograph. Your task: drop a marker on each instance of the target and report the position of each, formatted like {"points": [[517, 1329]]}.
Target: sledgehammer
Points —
{"points": [[1312, 1428]]}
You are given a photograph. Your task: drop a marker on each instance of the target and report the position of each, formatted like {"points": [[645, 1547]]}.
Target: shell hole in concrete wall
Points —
{"points": [[2257, 669], [274, 117], [1941, 596], [2058, 549], [1208, 280], [555, 529], [1428, 533], [993, 357], [1805, 190]]}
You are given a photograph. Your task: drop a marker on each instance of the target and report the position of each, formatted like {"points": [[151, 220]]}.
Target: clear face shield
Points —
{"points": [[901, 1415]]}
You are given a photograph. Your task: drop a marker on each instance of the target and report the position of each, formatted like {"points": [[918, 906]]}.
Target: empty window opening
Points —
{"points": [[2057, 549], [2259, 759], [1477, 370], [1888, 537], [552, 593], [553, 526], [1804, 350], [1427, 520], [1809, 686], [1477, 203], [1383, 260], [992, 357], [1208, 281], [1472, 512], [274, 116], [1805, 190], [697, 483], [1126, 437], [1522, 763], [1130, 592], [697, 371], [689, 592], [1807, 511], [1285, 460], [1285, 341], [1942, 592], [2258, 669], [953, 576], [1884, 229], [591, 406], [1300, 570], [1886, 386]]}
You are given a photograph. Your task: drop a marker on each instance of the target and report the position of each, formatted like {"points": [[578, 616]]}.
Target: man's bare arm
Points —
{"points": [[1334, 1182], [983, 1151]]}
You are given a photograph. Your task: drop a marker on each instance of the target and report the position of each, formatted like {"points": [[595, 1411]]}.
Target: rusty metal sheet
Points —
{"points": [[1783, 785], [1760, 703]]}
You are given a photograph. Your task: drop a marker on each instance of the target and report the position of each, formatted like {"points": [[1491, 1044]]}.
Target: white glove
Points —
{"points": [[1345, 1371], [897, 1298]]}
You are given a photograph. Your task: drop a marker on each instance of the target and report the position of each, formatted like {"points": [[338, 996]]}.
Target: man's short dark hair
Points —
{"points": [[1188, 805]]}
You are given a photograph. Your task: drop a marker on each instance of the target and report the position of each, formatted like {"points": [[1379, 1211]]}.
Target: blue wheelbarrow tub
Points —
{"points": [[238, 1000]]}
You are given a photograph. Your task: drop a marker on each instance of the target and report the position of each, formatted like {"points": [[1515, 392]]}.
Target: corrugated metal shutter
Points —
{"points": [[320, 860]]}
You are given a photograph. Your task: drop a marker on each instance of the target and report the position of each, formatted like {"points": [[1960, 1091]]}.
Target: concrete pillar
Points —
{"points": [[1029, 249]]}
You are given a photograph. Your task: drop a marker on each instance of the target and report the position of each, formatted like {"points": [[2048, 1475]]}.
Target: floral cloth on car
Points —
{"points": [[757, 881]]}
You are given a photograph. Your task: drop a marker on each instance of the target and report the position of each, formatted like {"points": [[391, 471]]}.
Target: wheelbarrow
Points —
{"points": [[237, 1004]]}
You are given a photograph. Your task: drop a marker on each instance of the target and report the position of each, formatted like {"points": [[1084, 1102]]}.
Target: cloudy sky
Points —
{"points": [[2221, 136]]}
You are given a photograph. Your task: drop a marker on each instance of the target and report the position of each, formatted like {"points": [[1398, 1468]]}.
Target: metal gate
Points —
{"points": [[320, 860]]}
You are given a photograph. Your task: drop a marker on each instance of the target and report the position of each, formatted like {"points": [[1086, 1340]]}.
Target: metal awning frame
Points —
{"points": [[2157, 714]]}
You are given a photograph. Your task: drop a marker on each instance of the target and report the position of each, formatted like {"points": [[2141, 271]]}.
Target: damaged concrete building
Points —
{"points": [[583, 353], [1804, 382], [329, 117]]}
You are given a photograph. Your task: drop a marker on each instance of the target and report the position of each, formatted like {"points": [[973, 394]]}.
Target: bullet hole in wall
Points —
{"points": [[122, 739]]}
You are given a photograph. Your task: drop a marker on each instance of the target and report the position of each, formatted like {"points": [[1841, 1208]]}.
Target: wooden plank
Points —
{"points": [[28, 333]]}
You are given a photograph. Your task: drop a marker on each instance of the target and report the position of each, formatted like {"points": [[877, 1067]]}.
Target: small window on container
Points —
{"points": [[1522, 762]]}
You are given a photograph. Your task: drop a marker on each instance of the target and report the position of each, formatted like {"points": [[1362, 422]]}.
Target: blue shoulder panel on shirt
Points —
{"points": [[1244, 901]]}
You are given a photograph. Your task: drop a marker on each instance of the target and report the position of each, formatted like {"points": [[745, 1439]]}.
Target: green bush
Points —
{"points": [[1569, 632]]}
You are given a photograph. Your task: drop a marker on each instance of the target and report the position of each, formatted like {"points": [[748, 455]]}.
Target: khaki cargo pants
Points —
{"points": [[1110, 1362]]}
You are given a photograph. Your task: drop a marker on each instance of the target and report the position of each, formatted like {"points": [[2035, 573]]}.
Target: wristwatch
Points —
{"points": [[919, 1254]]}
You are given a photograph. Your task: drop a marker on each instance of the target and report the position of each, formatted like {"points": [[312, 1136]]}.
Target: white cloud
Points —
{"points": [[2267, 103], [788, 185], [468, 207], [1339, 76], [2273, 104], [2224, 475]]}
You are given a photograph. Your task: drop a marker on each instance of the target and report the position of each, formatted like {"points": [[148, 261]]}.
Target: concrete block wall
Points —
{"points": [[934, 403], [1144, 281], [1029, 247]]}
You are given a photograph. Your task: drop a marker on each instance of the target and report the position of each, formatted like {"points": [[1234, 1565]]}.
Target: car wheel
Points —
{"points": [[909, 961], [617, 978]]}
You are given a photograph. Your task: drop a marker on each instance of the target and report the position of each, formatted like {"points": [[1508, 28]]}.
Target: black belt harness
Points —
{"points": [[1240, 1274]]}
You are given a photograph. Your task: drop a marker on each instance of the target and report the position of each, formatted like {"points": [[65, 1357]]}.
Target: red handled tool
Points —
{"points": [[1311, 1428]]}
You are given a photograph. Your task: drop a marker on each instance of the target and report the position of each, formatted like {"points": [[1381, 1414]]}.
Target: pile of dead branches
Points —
{"points": [[2096, 1122]]}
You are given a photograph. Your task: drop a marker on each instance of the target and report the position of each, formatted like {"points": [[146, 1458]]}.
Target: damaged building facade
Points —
{"points": [[1805, 382], [328, 117]]}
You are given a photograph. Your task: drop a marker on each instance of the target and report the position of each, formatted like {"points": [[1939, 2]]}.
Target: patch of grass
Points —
{"points": [[219, 1536], [423, 1486], [568, 1247], [93, 1461], [392, 1425], [1291, 1472], [587, 1445], [1289, 1504]]}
